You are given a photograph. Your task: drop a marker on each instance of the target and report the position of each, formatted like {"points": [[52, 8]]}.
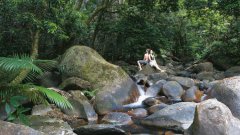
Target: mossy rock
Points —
{"points": [[114, 86]]}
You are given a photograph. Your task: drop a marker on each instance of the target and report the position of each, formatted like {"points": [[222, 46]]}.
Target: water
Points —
{"points": [[138, 103]]}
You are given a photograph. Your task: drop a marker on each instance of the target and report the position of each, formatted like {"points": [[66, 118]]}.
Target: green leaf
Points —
{"points": [[8, 109], [24, 119], [22, 110], [11, 117]]}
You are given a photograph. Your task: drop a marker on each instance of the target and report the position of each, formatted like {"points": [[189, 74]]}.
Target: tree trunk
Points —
{"points": [[34, 53]]}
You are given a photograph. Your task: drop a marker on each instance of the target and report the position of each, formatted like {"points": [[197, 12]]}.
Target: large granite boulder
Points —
{"points": [[114, 86], [81, 107], [227, 91], [177, 117], [205, 76], [214, 118], [7, 128], [173, 90]]}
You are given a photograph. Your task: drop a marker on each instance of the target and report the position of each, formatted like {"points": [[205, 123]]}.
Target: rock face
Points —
{"points": [[81, 107], [178, 116], [173, 90], [41, 109], [214, 118], [114, 86], [227, 91], [7, 128]]}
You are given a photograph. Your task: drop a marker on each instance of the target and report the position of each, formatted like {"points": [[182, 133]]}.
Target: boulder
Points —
{"points": [[99, 129], [219, 75], [7, 128], [227, 91], [201, 67], [113, 84], [157, 76], [75, 83], [177, 117], [117, 118], [147, 70], [154, 90], [173, 90], [233, 71], [192, 94], [151, 101], [156, 108], [214, 118], [81, 107], [184, 81], [50, 126], [205, 76], [138, 113]]}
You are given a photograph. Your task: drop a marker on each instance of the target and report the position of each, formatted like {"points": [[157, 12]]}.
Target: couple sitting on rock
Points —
{"points": [[149, 58]]}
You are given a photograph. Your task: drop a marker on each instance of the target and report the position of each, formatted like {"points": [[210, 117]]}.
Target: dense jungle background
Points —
{"points": [[121, 30]]}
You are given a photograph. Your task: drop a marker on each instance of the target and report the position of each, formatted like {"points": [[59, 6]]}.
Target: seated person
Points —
{"points": [[153, 62], [145, 60]]}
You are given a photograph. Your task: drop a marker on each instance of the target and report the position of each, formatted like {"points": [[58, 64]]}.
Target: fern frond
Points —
{"points": [[36, 94], [56, 98], [17, 63]]}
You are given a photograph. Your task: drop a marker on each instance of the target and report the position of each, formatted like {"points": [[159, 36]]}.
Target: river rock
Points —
{"points": [[154, 90], [113, 84], [214, 118], [205, 76], [151, 101], [99, 129], [173, 90], [156, 108], [233, 71], [138, 113], [7, 128], [201, 67], [177, 117], [192, 94], [81, 107], [50, 126], [117, 118], [227, 91], [75, 83], [184, 81]]}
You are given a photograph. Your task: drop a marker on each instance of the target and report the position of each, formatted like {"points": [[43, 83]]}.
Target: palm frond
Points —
{"points": [[56, 98], [17, 63], [36, 94]]}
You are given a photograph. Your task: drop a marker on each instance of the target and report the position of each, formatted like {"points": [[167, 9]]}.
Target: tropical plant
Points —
{"points": [[36, 94]]}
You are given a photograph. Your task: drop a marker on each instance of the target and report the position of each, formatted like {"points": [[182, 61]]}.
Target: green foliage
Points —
{"points": [[14, 108], [90, 93]]}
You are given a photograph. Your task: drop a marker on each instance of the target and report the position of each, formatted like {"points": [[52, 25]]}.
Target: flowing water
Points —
{"points": [[141, 98]]}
